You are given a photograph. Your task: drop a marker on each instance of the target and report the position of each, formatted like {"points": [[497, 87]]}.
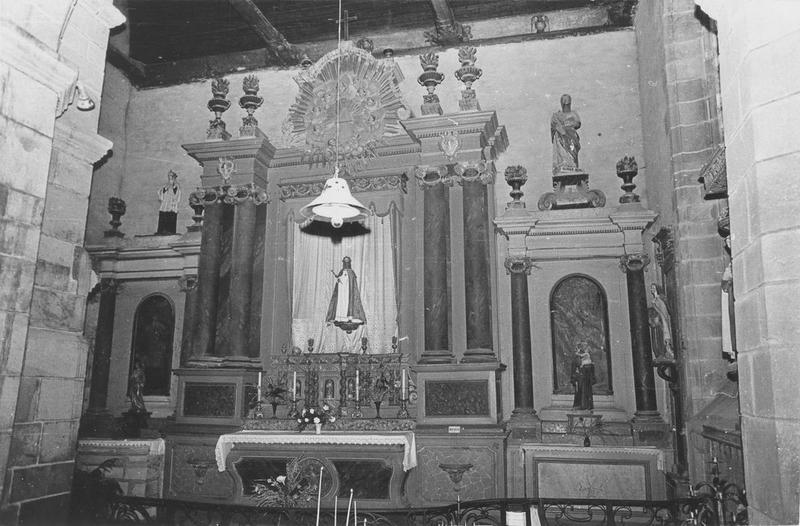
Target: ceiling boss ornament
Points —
{"points": [[369, 100]]}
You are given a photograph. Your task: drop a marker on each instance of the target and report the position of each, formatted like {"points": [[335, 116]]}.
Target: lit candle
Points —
{"points": [[404, 387], [259, 386], [319, 492], [294, 386], [357, 398]]}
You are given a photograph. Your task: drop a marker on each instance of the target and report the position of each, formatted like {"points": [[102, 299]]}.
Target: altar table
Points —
{"points": [[225, 443]]}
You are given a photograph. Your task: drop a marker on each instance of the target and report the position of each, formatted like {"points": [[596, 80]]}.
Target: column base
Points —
{"points": [[97, 424], [647, 417], [649, 429], [524, 424], [478, 356], [437, 357]]}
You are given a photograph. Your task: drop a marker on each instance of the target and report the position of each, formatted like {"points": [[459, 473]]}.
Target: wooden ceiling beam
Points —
{"points": [[447, 31], [275, 42]]}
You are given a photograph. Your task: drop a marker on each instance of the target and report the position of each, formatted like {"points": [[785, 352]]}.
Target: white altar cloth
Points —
{"points": [[226, 442]]}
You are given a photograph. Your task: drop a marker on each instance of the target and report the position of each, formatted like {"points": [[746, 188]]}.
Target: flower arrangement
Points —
{"points": [[315, 415], [285, 491]]}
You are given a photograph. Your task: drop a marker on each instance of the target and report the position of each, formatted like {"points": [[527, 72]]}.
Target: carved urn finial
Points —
{"points": [[430, 78], [219, 105], [539, 23], [516, 176], [116, 207], [468, 73], [627, 170], [249, 102]]}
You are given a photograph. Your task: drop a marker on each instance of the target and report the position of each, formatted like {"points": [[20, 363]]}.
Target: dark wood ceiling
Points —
{"points": [[176, 40]]}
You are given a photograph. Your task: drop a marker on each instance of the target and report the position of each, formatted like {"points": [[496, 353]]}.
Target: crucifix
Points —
{"points": [[345, 20]]}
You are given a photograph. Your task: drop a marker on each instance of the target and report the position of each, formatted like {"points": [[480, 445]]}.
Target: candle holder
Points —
{"points": [[259, 409], [357, 411], [403, 411]]}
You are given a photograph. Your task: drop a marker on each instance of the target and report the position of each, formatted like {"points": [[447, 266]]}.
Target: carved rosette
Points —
{"points": [[518, 265], [633, 262], [187, 282]]}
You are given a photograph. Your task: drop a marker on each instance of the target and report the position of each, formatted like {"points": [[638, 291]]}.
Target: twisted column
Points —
{"points": [[643, 378]]}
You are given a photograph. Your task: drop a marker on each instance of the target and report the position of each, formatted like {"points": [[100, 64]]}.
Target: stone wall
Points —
{"points": [[681, 129], [761, 102], [48, 150]]}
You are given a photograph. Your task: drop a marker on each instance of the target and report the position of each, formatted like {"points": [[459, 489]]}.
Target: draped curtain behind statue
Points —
{"points": [[372, 255]]}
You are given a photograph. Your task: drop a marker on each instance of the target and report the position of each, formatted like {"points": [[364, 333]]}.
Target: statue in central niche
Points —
{"points": [[564, 127], [345, 309]]}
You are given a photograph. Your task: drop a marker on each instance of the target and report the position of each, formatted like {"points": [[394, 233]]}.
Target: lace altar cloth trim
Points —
{"points": [[156, 445], [225, 443]]}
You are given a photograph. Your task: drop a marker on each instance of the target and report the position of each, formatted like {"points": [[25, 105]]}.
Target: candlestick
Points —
{"points": [[294, 386], [335, 510], [259, 385], [349, 503], [319, 492], [404, 386], [357, 397], [355, 513]]}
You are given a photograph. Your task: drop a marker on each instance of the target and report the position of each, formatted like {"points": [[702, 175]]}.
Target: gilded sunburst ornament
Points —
{"points": [[369, 100]]}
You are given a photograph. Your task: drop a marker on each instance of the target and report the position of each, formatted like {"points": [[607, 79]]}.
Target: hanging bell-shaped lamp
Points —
{"points": [[335, 205]]}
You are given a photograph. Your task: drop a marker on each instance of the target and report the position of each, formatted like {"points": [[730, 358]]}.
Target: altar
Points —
{"points": [[276, 468]]}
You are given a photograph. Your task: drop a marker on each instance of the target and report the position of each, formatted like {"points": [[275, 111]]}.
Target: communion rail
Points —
{"points": [[697, 510]]}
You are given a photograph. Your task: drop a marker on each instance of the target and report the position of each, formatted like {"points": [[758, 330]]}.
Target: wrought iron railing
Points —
{"points": [[498, 512]]}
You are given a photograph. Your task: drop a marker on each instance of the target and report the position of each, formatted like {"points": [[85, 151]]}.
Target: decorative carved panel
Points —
{"points": [[209, 400], [457, 398]]}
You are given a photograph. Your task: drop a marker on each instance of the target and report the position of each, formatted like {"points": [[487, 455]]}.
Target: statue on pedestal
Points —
{"points": [[170, 197], [566, 142], [345, 309], [582, 378], [136, 382], [661, 326]]}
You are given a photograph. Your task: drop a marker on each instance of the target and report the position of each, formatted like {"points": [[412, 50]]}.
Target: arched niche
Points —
{"points": [[579, 313], [153, 333]]}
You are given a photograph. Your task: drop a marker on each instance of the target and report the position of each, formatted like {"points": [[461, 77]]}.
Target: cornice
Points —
{"points": [[86, 146]]}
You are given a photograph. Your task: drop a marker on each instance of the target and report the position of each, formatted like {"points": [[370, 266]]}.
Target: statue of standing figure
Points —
{"points": [[345, 305], [566, 142], [661, 323], [136, 388], [170, 197], [583, 378]]}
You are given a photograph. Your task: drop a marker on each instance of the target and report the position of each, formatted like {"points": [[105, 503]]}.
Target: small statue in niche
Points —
{"points": [[328, 390], [345, 309], [136, 382], [170, 197], [582, 378], [661, 326], [566, 142]]}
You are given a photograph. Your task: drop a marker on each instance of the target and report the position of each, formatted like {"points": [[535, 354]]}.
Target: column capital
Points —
{"points": [[518, 265], [188, 282], [229, 194], [633, 262]]}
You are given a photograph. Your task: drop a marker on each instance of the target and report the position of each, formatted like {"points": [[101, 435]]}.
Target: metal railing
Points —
{"points": [[495, 512]]}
